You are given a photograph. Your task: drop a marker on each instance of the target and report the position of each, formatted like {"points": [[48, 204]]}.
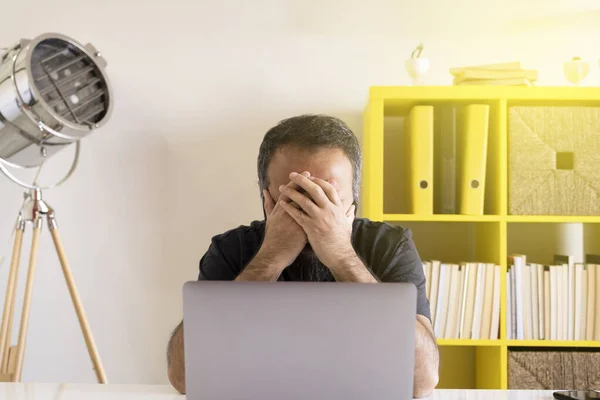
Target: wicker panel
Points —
{"points": [[537, 137], [552, 370]]}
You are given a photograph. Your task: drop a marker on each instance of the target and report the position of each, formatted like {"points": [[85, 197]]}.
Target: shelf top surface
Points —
{"points": [[440, 218], [520, 343], [554, 343], [553, 219], [489, 92]]}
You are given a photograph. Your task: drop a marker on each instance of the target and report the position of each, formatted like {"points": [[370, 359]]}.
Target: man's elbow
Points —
{"points": [[426, 383], [176, 359], [427, 359], [176, 376]]}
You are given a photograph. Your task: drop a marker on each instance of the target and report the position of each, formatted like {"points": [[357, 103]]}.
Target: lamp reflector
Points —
{"points": [[53, 92]]}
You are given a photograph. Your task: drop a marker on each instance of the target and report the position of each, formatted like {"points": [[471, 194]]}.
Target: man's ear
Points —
{"points": [[268, 202], [262, 203]]}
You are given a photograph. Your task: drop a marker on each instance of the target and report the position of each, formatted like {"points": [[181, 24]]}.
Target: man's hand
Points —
{"points": [[284, 238], [321, 214]]}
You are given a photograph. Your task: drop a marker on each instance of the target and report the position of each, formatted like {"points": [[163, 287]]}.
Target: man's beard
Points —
{"points": [[308, 267]]}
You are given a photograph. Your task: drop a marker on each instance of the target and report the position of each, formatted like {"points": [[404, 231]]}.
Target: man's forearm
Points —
{"points": [[261, 268], [176, 359], [427, 359], [352, 269]]}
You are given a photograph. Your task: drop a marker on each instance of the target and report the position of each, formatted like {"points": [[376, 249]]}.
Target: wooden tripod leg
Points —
{"points": [[85, 328], [27, 302], [9, 302]]}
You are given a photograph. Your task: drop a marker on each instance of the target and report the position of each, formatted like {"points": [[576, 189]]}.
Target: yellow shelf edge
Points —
{"points": [[470, 342], [554, 343], [492, 218], [503, 157], [553, 218], [485, 93], [440, 218]]}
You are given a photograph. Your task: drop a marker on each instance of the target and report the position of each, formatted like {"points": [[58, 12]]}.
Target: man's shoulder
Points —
{"points": [[229, 251], [364, 228], [252, 231]]}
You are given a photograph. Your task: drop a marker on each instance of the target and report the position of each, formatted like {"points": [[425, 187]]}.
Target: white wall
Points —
{"points": [[197, 83]]}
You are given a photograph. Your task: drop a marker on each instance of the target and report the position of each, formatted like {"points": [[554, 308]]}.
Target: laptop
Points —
{"points": [[299, 340]]}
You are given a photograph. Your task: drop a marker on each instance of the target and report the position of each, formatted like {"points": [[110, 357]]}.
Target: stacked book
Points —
{"points": [[508, 74], [553, 302], [464, 299]]}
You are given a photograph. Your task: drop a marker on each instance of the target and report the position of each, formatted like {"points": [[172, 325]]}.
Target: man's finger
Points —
{"points": [[329, 189], [350, 213], [314, 191], [298, 215], [293, 185], [299, 199]]}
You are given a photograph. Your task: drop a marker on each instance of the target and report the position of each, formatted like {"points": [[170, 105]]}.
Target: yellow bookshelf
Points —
{"points": [[455, 238]]}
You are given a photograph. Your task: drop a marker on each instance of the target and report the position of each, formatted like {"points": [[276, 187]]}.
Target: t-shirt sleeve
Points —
{"points": [[215, 265], [403, 264]]}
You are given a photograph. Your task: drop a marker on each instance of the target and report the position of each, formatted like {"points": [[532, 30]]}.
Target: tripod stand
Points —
{"points": [[11, 358]]}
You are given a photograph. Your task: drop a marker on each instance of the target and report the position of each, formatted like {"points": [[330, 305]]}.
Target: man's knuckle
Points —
{"points": [[319, 193], [304, 201]]}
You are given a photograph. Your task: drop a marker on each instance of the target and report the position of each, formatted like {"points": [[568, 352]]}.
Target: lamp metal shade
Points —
{"points": [[53, 92]]}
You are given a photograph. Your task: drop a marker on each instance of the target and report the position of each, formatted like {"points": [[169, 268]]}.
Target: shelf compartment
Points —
{"points": [[392, 150], [540, 242], [456, 242], [472, 367]]}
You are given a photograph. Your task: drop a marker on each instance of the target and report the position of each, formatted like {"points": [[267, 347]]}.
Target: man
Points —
{"points": [[309, 173]]}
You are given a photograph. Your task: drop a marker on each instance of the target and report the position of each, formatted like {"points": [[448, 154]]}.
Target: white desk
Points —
{"points": [[50, 391]]}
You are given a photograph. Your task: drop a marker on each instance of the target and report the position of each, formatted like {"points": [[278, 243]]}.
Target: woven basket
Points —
{"points": [[554, 160], [554, 370]]}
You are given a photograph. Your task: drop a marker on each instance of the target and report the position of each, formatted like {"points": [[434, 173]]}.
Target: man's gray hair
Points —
{"points": [[311, 132]]}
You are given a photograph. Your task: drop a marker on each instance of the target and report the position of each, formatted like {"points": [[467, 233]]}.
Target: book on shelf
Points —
{"points": [[569, 263], [466, 302], [507, 66], [552, 302], [439, 324], [469, 301], [593, 299], [435, 284], [507, 74], [453, 302], [516, 275], [546, 301], [495, 316], [494, 82]]}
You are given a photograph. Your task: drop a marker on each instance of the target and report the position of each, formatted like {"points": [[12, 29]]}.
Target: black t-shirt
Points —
{"points": [[387, 250]]}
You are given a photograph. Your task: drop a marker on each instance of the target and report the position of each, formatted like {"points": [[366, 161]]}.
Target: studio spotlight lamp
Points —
{"points": [[53, 93]]}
